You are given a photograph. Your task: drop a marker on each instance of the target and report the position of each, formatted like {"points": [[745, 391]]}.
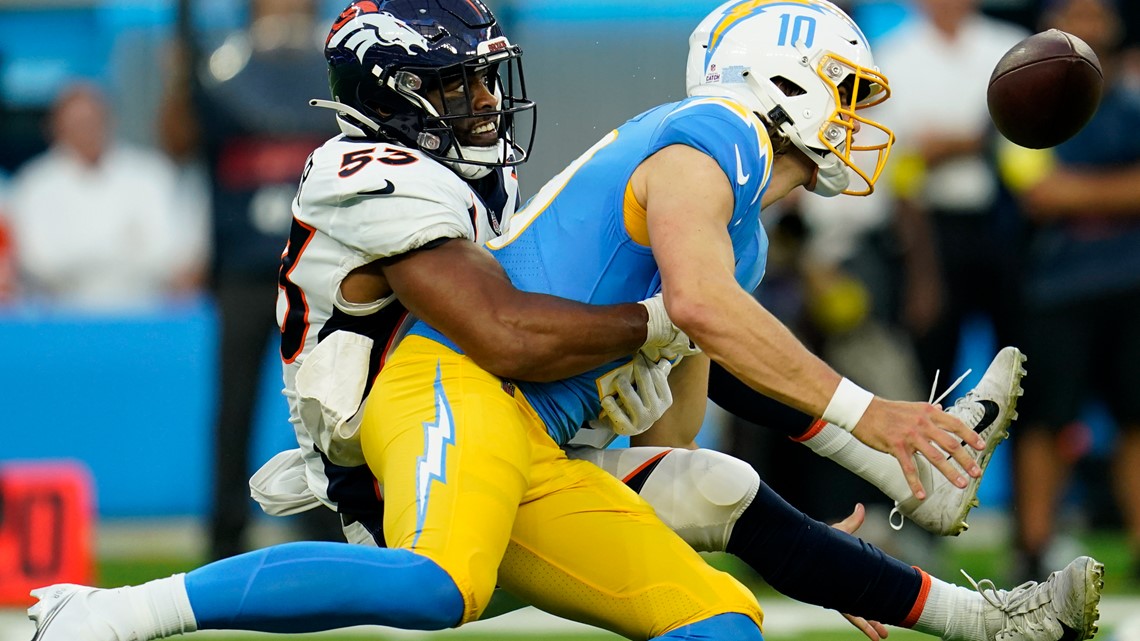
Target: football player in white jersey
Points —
{"points": [[210, 600], [378, 210]]}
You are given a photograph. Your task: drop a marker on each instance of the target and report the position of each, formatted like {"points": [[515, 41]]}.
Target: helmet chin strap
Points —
{"points": [[471, 171], [783, 121], [454, 160], [347, 127], [831, 178]]}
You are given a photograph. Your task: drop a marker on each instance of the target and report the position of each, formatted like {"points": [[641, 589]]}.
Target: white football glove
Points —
{"points": [[664, 339], [636, 395]]}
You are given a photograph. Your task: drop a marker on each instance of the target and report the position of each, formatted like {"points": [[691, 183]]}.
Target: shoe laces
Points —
{"points": [[895, 511], [1023, 605], [934, 386]]}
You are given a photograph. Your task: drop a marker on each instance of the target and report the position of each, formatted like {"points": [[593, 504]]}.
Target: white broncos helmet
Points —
{"points": [[787, 60]]}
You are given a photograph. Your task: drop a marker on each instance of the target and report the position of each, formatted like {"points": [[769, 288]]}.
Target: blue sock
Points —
{"points": [[815, 563], [307, 587], [722, 627]]}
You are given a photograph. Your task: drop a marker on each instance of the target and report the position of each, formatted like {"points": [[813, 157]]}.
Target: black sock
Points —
{"points": [[812, 562]]}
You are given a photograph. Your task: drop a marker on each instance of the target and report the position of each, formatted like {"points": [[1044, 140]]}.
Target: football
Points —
{"points": [[1045, 89]]}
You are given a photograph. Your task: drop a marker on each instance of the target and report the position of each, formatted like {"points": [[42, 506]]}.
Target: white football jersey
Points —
{"points": [[360, 201]]}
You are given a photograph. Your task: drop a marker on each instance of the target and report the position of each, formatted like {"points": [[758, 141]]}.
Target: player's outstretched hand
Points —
{"points": [[903, 429], [873, 630]]}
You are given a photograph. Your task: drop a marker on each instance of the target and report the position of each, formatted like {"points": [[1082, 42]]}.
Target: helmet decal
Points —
{"points": [[350, 12], [745, 9], [793, 30], [380, 28]]}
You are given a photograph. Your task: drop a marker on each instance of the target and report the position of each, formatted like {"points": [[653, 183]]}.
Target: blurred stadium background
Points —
{"points": [[126, 401]]}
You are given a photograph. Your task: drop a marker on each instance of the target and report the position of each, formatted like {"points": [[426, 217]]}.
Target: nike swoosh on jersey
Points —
{"points": [[741, 177], [386, 189]]}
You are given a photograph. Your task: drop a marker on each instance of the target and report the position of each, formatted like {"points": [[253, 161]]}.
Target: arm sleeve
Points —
{"points": [[743, 402]]}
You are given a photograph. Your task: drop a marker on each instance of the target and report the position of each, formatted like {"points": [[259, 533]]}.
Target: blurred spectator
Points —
{"points": [[242, 107], [7, 261], [960, 256], [1082, 290], [95, 224]]}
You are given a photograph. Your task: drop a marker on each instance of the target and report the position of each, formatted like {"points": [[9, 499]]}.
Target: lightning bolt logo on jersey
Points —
{"points": [[360, 201], [432, 466], [583, 236]]}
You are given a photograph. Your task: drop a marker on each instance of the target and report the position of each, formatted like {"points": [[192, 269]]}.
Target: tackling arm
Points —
{"points": [[458, 288]]}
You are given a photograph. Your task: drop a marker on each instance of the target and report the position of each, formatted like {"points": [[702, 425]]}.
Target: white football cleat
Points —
{"points": [[989, 408], [1064, 607], [63, 613]]}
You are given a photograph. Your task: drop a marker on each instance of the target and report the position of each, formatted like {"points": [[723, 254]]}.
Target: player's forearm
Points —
{"points": [[553, 338], [457, 288], [737, 332], [740, 400]]}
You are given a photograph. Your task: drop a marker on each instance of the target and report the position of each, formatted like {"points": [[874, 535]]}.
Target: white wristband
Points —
{"points": [[847, 405]]}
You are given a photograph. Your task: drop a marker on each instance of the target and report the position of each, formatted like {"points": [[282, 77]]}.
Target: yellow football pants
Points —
{"points": [[473, 482]]}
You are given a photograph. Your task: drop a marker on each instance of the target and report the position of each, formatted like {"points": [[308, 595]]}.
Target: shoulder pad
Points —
{"points": [[382, 199]]}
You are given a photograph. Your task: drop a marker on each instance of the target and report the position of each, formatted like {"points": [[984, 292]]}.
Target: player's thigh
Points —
{"points": [[451, 454], [591, 550], [699, 494]]}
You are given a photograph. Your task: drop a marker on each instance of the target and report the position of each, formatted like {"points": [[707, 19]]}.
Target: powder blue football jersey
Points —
{"points": [[582, 236]]}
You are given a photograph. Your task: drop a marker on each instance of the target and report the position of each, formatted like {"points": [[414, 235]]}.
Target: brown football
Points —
{"points": [[1045, 89]]}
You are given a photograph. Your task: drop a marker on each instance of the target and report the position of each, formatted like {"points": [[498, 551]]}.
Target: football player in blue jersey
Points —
{"points": [[473, 479], [670, 202]]}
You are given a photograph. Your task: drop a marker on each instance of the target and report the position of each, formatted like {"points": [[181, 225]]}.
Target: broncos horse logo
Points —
{"points": [[369, 26]]}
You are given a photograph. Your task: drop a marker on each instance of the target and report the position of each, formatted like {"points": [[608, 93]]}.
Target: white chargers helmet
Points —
{"points": [[788, 60]]}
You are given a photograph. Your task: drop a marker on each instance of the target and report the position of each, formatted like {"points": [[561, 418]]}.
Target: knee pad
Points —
{"points": [[700, 494]]}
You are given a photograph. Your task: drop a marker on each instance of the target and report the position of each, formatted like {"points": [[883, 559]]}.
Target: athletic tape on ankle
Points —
{"points": [[847, 405]]}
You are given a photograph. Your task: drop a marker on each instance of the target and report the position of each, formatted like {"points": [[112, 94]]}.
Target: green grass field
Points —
{"points": [[1107, 547]]}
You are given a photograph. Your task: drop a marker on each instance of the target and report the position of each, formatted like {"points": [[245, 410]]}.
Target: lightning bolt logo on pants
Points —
{"points": [[433, 464]]}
